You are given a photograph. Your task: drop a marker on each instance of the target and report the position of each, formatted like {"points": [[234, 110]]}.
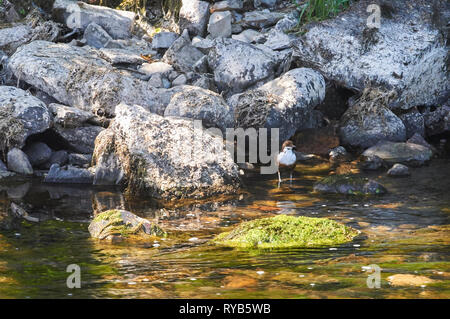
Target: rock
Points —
{"points": [[398, 170], [8, 14], [80, 78], [227, 5], [406, 54], [58, 157], [122, 223], [79, 15], [219, 25], [248, 35], [38, 153], [284, 231], [80, 160], [79, 139], [338, 154], [200, 104], [317, 141], [414, 122], [204, 45], [265, 3], [121, 56], [68, 175], [349, 184], [409, 280], [18, 162], [156, 80], [238, 65], [163, 40], [201, 65], [69, 117], [182, 55], [404, 153], [279, 40], [371, 163], [261, 19], [180, 80], [205, 82], [369, 121], [438, 121], [163, 157], [21, 115], [19, 212], [156, 67], [286, 103], [418, 139], [194, 16], [96, 36]]}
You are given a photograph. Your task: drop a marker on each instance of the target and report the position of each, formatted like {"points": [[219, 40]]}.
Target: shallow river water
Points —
{"points": [[406, 231]]}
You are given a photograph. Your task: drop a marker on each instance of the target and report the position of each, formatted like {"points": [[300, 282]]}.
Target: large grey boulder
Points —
{"points": [[404, 153], [78, 15], [194, 16], [163, 157], [182, 55], [369, 121], [68, 175], [18, 162], [201, 104], [286, 103], [21, 115], [238, 65], [80, 78], [407, 53]]}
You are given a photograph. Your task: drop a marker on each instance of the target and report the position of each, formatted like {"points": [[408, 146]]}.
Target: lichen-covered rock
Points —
{"points": [[286, 103], [163, 40], [80, 78], [349, 184], [407, 53], [284, 231], [69, 117], [200, 104], [163, 157], [238, 65], [96, 36], [68, 175], [404, 153], [21, 115], [76, 14], [124, 224], [437, 121], [414, 122], [194, 16], [369, 121], [182, 55], [219, 25]]}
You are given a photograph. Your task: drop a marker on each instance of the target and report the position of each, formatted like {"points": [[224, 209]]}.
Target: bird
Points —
{"points": [[286, 159]]}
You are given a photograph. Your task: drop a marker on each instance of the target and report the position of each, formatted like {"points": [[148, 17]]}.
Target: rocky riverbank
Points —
{"points": [[95, 95]]}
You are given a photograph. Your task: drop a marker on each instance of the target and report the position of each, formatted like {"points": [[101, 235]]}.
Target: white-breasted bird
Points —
{"points": [[286, 160]]}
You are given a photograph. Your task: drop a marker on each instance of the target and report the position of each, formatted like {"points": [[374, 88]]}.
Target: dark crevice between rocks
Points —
{"points": [[442, 144], [52, 139], [336, 101]]}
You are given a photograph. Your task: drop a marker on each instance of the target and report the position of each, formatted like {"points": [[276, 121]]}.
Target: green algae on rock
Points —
{"points": [[123, 224], [349, 184], [287, 232]]}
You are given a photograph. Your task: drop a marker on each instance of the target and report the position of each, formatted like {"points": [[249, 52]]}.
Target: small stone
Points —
{"points": [[260, 272], [38, 153], [220, 25], [156, 67], [69, 175], [96, 36], [18, 162], [180, 80], [399, 170], [163, 40], [338, 154], [80, 160], [227, 5], [248, 36]]}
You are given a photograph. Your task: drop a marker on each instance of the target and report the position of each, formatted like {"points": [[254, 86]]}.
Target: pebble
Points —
{"points": [[193, 239], [260, 272]]}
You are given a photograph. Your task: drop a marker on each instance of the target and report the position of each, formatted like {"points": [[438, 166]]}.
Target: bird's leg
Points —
{"points": [[291, 178], [279, 177]]}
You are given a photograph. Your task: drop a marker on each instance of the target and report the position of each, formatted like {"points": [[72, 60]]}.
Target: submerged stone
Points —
{"points": [[287, 231], [122, 223], [404, 153], [349, 184]]}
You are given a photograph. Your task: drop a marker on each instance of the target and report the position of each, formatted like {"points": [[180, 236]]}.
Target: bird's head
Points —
{"points": [[287, 146]]}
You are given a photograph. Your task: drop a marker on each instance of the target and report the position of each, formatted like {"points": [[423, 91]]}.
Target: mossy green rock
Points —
{"points": [[349, 184], [122, 223], [285, 231]]}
